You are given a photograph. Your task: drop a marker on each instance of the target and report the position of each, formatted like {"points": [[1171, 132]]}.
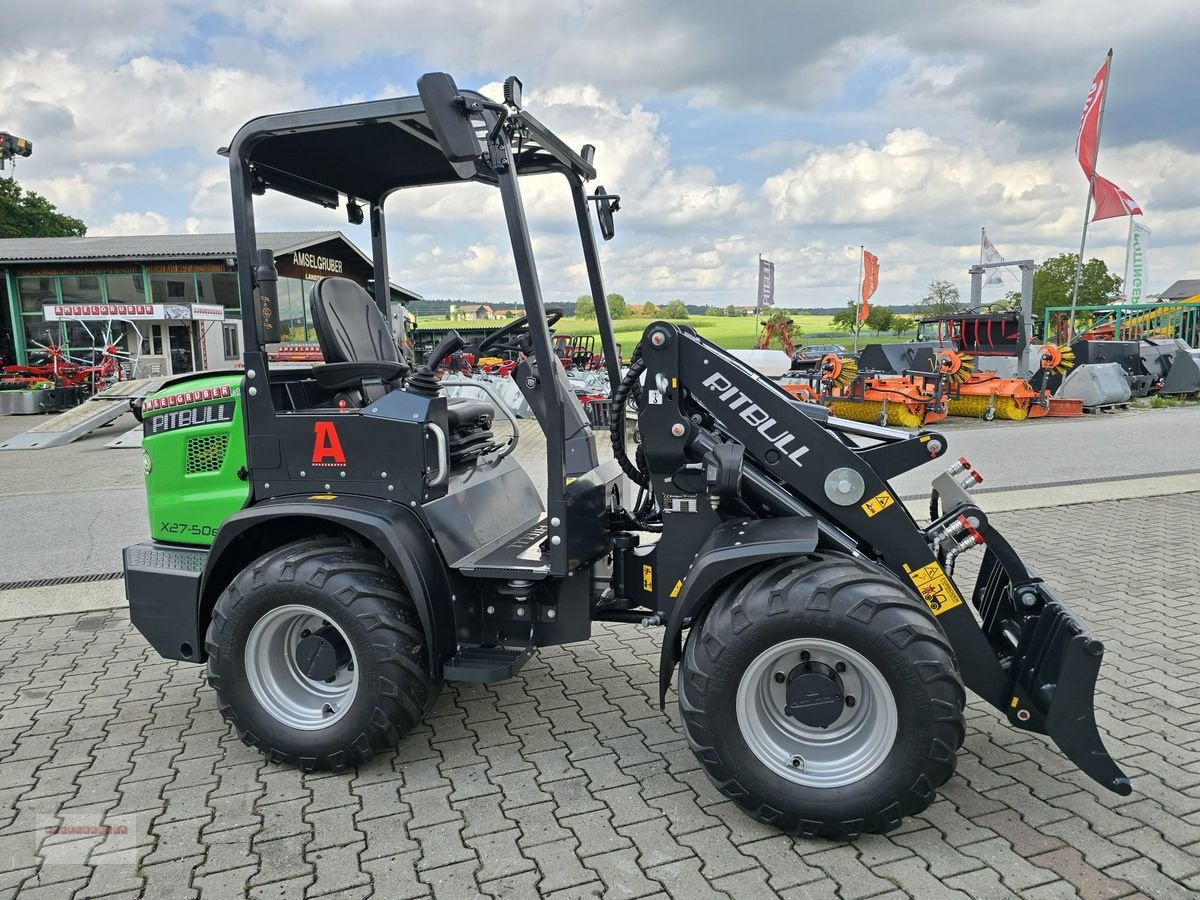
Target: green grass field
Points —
{"points": [[734, 334]]}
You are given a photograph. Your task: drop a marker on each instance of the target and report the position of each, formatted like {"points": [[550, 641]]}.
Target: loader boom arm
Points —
{"points": [[696, 394]]}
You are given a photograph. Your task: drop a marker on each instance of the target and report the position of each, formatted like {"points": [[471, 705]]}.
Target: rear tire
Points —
{"points": [[378, 686], [847, 768]]}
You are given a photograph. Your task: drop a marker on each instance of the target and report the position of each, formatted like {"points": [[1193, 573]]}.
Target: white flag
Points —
{"points": [[1137, 272], [991, 255]]}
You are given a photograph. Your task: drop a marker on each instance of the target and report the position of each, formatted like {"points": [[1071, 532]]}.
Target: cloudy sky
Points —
{"points": [[796, 129]]}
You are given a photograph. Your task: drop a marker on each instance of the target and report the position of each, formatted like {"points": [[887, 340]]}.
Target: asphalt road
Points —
{"points": [[70, 510]]}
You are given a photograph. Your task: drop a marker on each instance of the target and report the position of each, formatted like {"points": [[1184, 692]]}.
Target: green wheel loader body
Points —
{"points": [[194, 454]]}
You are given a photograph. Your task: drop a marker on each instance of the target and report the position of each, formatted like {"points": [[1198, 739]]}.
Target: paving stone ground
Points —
{"points": [[570, 782]]}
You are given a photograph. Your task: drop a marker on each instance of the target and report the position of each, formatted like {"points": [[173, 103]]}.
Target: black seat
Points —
{"points": [[354, 337], [360, 354]]}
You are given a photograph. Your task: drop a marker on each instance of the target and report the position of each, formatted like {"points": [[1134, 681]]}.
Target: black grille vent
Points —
{"points": [[205, 454]]}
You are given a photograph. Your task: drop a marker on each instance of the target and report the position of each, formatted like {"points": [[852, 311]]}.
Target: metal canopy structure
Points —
{"points": [[369, 150]]}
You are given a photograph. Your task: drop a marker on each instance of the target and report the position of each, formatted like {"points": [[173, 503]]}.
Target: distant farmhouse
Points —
{"points": [[473, 312]]}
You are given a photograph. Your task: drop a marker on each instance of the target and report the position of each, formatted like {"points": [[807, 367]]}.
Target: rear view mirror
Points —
{"points": [[448, 117], [606, 205]]}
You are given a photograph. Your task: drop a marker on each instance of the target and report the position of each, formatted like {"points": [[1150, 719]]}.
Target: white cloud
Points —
{"points": [[134, 223], [901, 126]]}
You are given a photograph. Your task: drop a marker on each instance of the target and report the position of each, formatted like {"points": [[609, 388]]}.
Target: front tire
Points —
{"points": [[317, 655], [822, 697]]}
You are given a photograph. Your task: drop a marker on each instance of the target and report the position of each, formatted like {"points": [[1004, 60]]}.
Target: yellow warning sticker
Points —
{"points": [[1015, 703], [647, 579], [937, 590], [878, 504], [323, 497], [675, 590]]}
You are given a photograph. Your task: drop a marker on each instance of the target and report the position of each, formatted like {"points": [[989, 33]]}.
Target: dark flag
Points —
{"points": [[766, 283]]}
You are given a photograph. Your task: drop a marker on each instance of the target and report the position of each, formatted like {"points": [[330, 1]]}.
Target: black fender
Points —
{"points": [[731, 548], [395, 530]]}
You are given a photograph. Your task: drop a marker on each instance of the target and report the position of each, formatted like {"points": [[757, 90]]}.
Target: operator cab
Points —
{"points": [[364, 363], [368, 424]]}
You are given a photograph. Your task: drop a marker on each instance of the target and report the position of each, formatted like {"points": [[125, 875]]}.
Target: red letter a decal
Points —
{"points": [[327, 449]]}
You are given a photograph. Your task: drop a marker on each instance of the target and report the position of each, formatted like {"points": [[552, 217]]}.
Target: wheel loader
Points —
{"points": [[336, 542]]}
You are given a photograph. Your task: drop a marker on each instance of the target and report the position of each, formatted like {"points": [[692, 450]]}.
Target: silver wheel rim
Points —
{"points": [[273, 672], [850, 749]]}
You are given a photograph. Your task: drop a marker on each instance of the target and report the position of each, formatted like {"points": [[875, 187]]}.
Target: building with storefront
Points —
{"points": [[169, 302]]}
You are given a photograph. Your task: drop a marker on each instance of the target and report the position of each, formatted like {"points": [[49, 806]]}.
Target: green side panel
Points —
{"points": [[194, 444]]}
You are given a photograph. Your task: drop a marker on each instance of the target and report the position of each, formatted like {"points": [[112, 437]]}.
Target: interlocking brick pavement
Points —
{"points": [[570, 782]]}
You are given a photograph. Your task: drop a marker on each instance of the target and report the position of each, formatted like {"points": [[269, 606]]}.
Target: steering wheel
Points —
{"points": [[505, 338]]}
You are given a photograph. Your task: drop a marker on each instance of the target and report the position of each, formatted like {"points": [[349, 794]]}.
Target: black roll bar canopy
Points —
{"points": [[367, 151]]}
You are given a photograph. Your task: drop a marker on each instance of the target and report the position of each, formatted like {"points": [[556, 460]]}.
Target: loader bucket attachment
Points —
{"points": [[1052, 661]]}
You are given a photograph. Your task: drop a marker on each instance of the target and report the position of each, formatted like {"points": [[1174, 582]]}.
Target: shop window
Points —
{"points": [[219, 288], [34, 292], [152, 339], [293, 310], [232, 342], [81, 289], [173, 288], [125, 289]]}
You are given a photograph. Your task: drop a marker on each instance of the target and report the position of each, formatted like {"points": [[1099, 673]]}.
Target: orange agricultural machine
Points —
{"points": [[988, 396], [909, 400]]}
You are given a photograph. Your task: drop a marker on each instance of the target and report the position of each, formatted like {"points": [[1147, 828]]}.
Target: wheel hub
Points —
{"points": [[816, 712], [814, 694], [321, 653], [300, 667]]}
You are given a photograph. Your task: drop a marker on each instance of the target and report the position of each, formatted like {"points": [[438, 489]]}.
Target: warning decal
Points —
{"points": [[936, 588], [878, 504], [647, 579]]}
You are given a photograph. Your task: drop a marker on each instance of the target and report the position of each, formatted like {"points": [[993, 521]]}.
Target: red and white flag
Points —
{"points": [[989, 254], [1089, 122], [870, 283], [1109, 200]]}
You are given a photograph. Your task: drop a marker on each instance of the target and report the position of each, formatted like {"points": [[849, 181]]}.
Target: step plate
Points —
{"points": [[486, 665], [516, 555]]}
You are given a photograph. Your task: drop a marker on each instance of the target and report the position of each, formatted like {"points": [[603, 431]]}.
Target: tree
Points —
{"points": [[675, 310], [649, 310], [26, 214], [584, 307], [1054, 279], [847, 319], [942, 298], [714, 311], [732, 311], [879, 319], [617, 307], [901, 325]]}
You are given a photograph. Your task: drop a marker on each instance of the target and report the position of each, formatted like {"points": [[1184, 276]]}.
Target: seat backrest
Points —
{"points": [[349, 325]]}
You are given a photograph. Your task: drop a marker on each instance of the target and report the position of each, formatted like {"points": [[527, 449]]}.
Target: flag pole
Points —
{"points": [[1087, 212], [1128, 254], [758, 302], [857, 323], [982, 238]]}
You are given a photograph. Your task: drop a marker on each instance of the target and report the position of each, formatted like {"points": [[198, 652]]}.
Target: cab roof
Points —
{"points": [[368, 150]]}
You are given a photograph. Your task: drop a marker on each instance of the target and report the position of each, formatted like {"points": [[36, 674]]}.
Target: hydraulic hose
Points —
{"points": [[629, 387]]}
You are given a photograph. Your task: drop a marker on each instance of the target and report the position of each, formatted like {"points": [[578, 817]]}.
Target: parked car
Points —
{"points": [[813, 352]]}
